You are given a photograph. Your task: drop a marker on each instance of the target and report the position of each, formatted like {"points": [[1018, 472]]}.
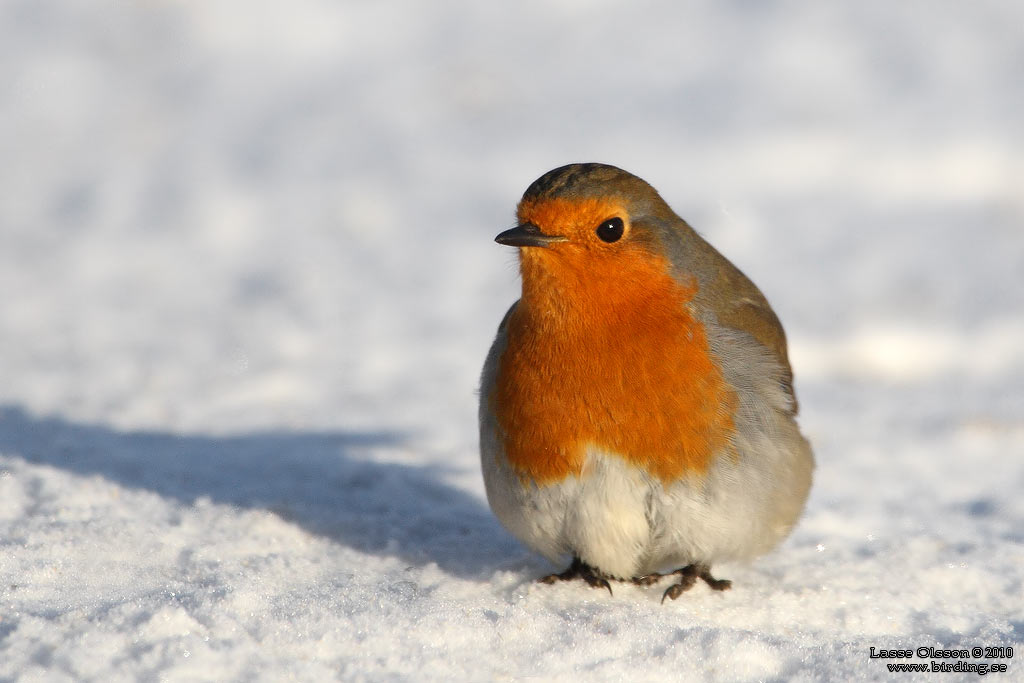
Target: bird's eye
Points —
{"points": [[611, 230]]}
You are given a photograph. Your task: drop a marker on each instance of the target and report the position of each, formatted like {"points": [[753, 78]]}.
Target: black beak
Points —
{"points": [[527, 235]]}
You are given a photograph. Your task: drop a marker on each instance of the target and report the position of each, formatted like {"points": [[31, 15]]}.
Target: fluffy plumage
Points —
{"points": [[637, 409]]}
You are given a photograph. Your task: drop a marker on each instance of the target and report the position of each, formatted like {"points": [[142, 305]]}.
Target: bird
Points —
{"points": [[637, 411]]}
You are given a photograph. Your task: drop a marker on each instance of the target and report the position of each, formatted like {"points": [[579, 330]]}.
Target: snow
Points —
{"points": [[249, 282]]}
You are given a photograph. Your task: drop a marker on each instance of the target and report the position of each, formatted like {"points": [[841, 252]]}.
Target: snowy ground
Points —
{"points": [[248, 277]]}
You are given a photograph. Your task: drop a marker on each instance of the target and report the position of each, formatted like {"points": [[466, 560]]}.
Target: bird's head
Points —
{"points": [[591, 228]]}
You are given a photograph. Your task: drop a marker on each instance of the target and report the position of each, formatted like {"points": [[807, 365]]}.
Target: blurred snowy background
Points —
{"points": [[248, 282]]}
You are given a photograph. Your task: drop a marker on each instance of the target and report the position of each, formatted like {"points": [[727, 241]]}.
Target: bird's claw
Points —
{"points": [[580, 570], [688, 576]]}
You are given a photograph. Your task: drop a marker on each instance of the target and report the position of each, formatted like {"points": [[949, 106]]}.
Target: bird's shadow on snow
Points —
{"points": [[314, 479]]}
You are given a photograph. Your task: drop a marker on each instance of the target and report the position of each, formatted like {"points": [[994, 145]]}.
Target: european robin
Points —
{"points": [[637, 411]]}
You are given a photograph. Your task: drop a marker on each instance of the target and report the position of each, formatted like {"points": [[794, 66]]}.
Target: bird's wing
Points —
{"points": [[738, 304]]}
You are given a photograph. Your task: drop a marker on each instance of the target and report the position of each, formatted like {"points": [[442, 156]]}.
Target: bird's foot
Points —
{"points": [[648, 579], [580, 570], [688, 576]]}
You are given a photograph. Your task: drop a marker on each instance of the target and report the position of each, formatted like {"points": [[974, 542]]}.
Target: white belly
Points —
{"points": [[626, 523]]}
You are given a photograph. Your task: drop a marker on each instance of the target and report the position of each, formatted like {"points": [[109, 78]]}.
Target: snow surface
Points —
{"points": [[248, 277]]}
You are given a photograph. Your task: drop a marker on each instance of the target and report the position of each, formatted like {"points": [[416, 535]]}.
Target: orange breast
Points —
{"points": [[608, 356]]}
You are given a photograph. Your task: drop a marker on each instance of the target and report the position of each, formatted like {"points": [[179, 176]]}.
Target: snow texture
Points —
{"points": [[249, 282]]}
